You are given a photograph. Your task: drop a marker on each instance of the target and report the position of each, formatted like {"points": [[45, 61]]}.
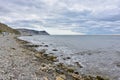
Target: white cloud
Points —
{"points": [[56, 31]]}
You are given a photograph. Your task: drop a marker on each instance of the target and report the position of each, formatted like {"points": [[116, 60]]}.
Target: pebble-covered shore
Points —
{"points": [[20, 61]]}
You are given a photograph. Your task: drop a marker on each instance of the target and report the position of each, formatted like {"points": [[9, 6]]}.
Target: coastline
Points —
{"points": [[41, 65]]}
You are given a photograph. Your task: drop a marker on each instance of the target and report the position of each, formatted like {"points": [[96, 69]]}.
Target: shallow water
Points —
{"points": [[99, 55]]}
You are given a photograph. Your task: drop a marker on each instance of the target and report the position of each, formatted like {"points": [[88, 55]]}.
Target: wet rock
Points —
{"points": [[66, 58], [32, 45], [51, 53], [100, 78], [60, 65], [76, 73], [80, 53], [59, 71], [54, 50], [42, 51], [94, 78], [89, 78], [89, 53], [45, 45], [40, 45], [70, 69], [45, 55], [36, 46], [46, 67], [77, 77], [66, 68], [52, 58], [50, 44], [78, 64], [118, 65], [61, 55]]}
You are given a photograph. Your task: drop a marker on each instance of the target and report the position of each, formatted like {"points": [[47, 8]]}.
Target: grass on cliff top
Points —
{"points": [[6, 28]]}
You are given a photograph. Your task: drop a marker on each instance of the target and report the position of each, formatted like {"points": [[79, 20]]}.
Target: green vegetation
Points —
{"points": [[5, 28], [0, 31]]}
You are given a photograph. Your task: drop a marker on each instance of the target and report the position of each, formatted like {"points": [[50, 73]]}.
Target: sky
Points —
{"points": [[63, 17]]}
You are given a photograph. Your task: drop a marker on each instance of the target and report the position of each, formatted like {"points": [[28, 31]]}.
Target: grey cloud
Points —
{"points": [[92, 17], [4, 10]]}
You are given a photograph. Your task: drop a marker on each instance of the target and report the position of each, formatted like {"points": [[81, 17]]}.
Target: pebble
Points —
{"points": [[61, 77], [38, 55], [45, 78], [76, 76]]}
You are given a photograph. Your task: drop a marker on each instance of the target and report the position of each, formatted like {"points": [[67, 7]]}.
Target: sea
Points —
{"points": [[97, 54]]}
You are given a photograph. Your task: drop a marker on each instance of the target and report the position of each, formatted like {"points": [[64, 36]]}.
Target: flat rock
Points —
{"points": [[61, 77]]}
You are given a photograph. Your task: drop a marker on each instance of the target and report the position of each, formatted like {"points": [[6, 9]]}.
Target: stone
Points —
{"points": [[100, 78], [59, 78], [64, 58], [45, 45], [46, 67], [38, 55], [42, 51], [60, 71], [76, 76], [69, 69], [89, 53], [45, 78], [54, 50], [62, 76], [52, 58], [32, 45], [76, 73], [78, 64], [45, 55], [117, 64], [40, 45], [68, 57]]}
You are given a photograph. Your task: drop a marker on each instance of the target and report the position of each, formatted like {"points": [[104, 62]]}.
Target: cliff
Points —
{"points": [[27, 32], [6, 28]]}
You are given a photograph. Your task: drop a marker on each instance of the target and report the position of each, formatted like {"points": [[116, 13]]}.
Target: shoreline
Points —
{"points": [[62, 68], [20, 61]]}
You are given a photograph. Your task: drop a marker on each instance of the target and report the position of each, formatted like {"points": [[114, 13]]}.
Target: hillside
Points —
{"points": [[5, 28], [31, 32]]}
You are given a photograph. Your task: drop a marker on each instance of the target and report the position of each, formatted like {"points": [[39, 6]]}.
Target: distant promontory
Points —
{"points": [[28, 32]]}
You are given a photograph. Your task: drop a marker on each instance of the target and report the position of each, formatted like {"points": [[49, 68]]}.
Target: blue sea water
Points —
{"points": [[98, 54]]}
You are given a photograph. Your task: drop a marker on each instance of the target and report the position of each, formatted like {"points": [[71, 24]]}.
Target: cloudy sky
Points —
{"points": [[63, 16]]}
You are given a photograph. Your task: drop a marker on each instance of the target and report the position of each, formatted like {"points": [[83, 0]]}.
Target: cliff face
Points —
{"points": [[27, 32], [5, 28], [24, 32]]}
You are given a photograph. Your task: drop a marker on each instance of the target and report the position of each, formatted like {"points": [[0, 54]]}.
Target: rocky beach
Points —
{"points": [[59, 39], [20, 61]]}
